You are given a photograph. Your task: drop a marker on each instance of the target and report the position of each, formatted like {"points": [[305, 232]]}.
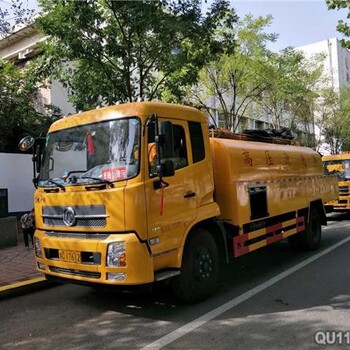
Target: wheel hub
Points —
{"points": [[204, 266]]}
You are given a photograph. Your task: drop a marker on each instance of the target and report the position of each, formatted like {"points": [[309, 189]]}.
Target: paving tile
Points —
{"points": [[17, 264]]}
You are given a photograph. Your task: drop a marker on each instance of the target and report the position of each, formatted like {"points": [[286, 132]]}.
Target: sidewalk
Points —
{"points": [[18, 273]]}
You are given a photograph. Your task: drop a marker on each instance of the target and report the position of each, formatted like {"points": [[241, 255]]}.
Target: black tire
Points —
{"points": [[199, 270], [311, 237]]}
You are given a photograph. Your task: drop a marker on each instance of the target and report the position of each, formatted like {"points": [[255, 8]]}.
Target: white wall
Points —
{"points": [[59, 98], [343, 65], [337, 69], [16, 174], [336, 63]]}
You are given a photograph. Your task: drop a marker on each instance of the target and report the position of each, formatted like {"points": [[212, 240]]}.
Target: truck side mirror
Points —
{"points": [[167, 139], [26, 143], [168, 168], [51, 164]]}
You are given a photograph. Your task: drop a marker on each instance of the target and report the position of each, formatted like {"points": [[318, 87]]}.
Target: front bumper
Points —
{"points": [[92, 266]]}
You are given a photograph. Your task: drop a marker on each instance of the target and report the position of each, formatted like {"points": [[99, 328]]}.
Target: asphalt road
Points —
{"points": [[274, 298]]}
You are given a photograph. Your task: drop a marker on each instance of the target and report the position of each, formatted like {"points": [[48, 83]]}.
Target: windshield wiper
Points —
{"points": [[56, 183], [103, 181], [67, 175]]}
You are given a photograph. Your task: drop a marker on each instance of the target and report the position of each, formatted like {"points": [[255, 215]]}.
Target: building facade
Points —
{"points": [[336, 62], [16, 192], [337, 75], [24, 45]]}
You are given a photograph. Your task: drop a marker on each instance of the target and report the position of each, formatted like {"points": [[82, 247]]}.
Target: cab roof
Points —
{"points": [[140, 109], [341, 156]]}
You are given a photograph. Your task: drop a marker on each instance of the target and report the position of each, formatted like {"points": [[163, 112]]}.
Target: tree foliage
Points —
{"points": [[106, 51], [283, 84], [18, 115], [232, 82], [18, 89], [343, 27], [12, 14], [289, 97], [333, 119]]}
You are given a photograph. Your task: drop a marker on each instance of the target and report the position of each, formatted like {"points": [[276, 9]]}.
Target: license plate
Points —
{"points": [[70, 256]]}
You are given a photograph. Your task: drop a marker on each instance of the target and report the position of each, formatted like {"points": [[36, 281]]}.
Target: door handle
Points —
{"points": [[189, 195]]}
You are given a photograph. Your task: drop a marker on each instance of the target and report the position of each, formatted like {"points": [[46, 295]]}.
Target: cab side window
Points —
{"points": [[151, 152], [179, 158], [180, 150], [197, 142]]}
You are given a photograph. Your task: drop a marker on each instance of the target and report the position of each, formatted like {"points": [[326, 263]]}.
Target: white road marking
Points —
{"points": [[200, 321]]}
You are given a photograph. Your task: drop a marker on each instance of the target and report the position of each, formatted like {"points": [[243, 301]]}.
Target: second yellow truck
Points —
{"points": [[140, 192], [339, 165]]}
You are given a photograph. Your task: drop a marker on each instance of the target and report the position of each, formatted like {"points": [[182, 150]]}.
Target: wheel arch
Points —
{"points": [[319, 206], [215, 228]]}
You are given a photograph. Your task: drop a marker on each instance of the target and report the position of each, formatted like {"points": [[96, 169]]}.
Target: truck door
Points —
{"points": [[170, 209]]}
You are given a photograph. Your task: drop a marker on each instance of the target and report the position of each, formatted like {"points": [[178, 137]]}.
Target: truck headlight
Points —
{"points": [[116, 255], [37, 245]]}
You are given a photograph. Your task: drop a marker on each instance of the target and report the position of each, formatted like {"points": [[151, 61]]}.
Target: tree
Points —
{"points": [[342, 26], [289, 97], [12, 14], [232, 82], [345, 118], [326, 107], [255, 81], [106, 51], [333, 118], [18, 115]]}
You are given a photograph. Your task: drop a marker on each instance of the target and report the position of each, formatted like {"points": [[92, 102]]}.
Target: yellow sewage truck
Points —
{"points": [[139, 192], [339, 164]]}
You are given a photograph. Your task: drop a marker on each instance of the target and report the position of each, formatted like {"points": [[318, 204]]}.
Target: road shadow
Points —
{"points": [[341, 216], [79, 317]]}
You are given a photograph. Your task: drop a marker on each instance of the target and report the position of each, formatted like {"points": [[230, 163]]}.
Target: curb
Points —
{"points": [[23, 287]]}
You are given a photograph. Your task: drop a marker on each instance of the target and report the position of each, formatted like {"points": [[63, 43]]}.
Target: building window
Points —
{"points": [[259, 125]]}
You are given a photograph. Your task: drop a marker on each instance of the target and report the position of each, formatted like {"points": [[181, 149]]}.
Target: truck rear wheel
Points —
{"points": [[200, 268], [311, 237]]}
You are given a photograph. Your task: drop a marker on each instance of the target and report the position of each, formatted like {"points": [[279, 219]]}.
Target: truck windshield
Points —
{"points": [[101, 152], [340, 167]]}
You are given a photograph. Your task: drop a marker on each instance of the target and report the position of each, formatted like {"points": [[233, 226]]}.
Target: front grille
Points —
{"points": [[80, 235], [79, 223], [344, 190], [85, 215], [72, 272]]}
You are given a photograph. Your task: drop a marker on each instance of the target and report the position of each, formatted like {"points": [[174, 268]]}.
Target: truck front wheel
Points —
{"points": [[200, 268]]}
